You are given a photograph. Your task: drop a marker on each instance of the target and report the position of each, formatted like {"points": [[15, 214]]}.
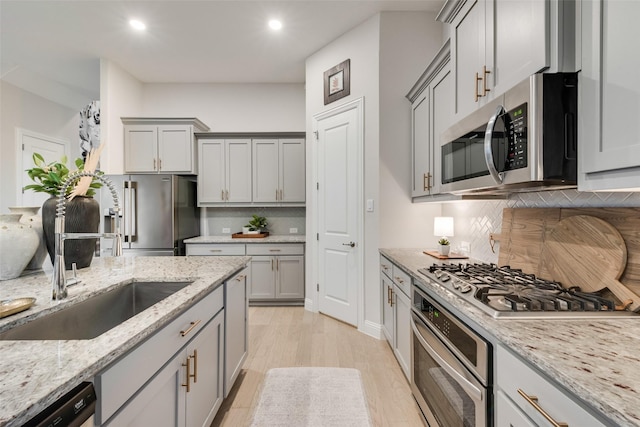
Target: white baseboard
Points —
{"points": [[372, 329]]}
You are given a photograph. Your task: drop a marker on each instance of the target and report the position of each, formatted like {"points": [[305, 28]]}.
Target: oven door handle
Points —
{"points": [[474, 392], [488, 151]]}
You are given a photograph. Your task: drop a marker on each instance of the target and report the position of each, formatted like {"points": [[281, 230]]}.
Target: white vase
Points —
{"points": [[18, 243], [444, 249], [31, 217]]}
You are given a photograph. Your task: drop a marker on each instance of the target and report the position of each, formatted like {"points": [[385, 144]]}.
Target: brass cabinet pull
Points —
{"points": [[215, 250], [475, 87], [240, 278], [484, 80], [192, 325], [195, 366], [154, 164], [222, 195], [226, 195], [391, 301], [399, 279], [426, 181], [281, 195], [188, 384], [384, 267], [388, 295], [277, 196], [159, 164], [533, 401], [274, 250], [271, 264], [277, 264]]}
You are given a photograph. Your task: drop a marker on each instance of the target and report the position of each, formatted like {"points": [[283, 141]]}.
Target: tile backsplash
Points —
{"points": [[280, 220], [475, 220]]}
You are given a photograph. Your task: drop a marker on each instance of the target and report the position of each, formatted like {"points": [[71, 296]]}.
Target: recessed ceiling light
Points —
{"points": [[138, 25], [274, 24]]}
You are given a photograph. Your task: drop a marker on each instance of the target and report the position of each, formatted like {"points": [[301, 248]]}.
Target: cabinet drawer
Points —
{"points": [[214, 249], [275, 249], [124, 377], [513, 374], [402, 280], [386, 266]]}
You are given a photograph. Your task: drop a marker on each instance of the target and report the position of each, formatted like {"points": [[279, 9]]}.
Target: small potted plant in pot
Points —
{"points": [[443, 246], [257, 224]]}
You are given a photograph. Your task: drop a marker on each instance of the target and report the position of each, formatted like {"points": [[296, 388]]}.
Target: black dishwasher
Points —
{"points": [[71, 410]]}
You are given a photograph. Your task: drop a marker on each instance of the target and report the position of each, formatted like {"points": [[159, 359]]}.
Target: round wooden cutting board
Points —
{"points": [[590, 253]]}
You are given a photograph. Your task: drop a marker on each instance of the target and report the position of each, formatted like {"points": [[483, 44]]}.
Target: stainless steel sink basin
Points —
{"points": [[96, 315]]}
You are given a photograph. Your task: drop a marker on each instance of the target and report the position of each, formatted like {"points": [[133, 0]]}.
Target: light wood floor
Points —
{"points": [[292, 336]]}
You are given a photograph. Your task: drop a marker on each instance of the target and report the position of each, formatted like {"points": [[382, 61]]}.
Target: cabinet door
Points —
{"points": [[140, 148], [211, 171], [160, 403], [265, 170], [238, 172], [468, 53], [292, 170], [521, 42], [609, 97], [387, 308], [175, 149], [290, 273], [263, 282], [441, 117], [205, 354], [402, 332], [422, 160], [235, 336]]}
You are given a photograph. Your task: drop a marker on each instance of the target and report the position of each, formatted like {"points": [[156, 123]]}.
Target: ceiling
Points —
{"points": [[53, 48]]}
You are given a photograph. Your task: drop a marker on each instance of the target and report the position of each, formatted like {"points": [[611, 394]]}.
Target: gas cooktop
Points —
{"points": [[504, 292]]}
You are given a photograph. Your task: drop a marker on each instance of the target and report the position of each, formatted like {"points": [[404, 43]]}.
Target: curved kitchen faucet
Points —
{"points": [[59, 281]]}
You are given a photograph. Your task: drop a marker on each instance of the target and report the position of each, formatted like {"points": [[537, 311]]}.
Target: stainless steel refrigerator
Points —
{"points": [[157, 213]]}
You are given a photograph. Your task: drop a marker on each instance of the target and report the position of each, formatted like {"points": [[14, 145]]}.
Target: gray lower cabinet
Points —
{"points": [[396, 312], [278, 277], [526, 398], [175, 377], [236, 342]]}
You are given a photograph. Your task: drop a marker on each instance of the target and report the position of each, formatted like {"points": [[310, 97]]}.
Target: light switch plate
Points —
{"points": [[293, 230], [226, 230], [369, 205]]}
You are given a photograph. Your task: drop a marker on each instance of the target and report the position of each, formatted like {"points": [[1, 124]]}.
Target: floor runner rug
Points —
{"points": [[327, 397]]}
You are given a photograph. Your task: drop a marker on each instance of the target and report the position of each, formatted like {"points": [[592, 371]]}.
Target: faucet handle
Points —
{"points": [[74, 280]]}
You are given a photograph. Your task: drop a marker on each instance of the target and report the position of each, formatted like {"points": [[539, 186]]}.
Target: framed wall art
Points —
{"points": [[337, 83]]}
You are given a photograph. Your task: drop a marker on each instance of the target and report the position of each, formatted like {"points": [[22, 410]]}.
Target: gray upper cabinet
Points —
{"points": [[609, 97], [431, 113], [225, 171], [497, 43], [157, 145], [279, 171]]}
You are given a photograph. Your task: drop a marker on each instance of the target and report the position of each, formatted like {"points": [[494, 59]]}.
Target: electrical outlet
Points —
{"points": [[226, 230], [293, 230], [465, 247]]}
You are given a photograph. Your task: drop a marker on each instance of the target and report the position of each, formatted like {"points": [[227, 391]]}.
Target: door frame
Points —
{"points": [[314, 304], [20, 134]]}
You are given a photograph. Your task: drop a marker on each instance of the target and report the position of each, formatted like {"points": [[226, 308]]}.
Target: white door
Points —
{"points": [[51, 149], [339, 134]]}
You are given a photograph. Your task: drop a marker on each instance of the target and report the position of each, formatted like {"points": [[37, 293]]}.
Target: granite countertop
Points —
{"points": [[34, 374], [274, 238], [595, 359]]}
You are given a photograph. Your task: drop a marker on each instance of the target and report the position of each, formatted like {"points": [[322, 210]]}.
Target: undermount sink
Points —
{"points": [[96, 315]]}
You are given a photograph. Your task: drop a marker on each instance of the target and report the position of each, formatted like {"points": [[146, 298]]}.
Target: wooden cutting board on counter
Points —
{"points": [[600, 249]]}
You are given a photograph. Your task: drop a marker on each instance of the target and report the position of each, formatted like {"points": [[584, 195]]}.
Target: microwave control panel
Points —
{"points": [[515, 123]]}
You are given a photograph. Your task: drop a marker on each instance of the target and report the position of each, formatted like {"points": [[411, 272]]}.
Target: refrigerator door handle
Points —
{"points": [[125, 210], [133, 218]]}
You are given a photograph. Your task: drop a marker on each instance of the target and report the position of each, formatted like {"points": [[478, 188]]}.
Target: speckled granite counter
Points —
{"points": [[596, 360], [33, 374], [277, 238]]}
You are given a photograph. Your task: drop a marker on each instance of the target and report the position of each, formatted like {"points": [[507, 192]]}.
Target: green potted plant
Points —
{"points": [[443, 246], [82, 213], [257, 224]]}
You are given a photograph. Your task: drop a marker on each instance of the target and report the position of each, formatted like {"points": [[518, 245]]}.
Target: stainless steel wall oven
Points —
{"points": [[451, 371]]}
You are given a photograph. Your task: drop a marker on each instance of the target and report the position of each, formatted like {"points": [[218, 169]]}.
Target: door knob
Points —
{"points": [[352, 244]]}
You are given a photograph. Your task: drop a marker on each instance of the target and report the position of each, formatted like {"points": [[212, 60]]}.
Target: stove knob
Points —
{"points": [[438, 273], [455, 284], [466, 288]]}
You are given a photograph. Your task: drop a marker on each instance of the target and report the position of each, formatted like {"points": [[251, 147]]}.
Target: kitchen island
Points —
{"points": [[34, 374], [594, 360]]}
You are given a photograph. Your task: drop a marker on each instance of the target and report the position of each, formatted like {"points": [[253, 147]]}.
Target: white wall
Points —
{"points": [[256, 107], [22, 109], [120, 96], [408, 42], [388, 53]]}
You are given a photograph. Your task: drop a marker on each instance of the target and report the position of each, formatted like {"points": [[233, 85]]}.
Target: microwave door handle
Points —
{"points": [[474, 392], [488, 152]]}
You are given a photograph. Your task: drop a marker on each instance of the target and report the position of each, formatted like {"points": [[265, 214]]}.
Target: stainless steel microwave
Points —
{"points": [[524, 140]]}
